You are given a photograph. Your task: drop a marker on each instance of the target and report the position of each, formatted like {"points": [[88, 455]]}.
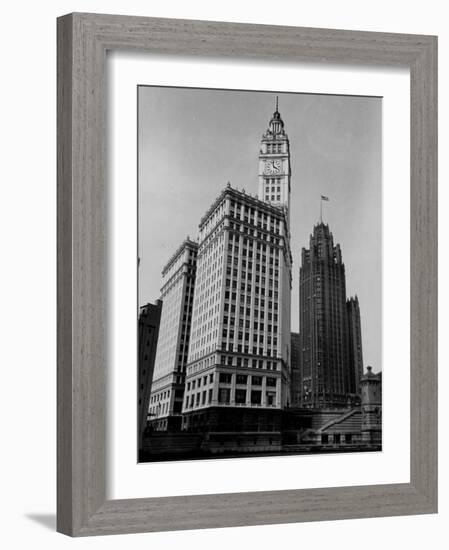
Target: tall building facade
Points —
{"points": [[327, 379], [239, 353], [355, 344], [240, 350], [177, 294], [149, 320]]}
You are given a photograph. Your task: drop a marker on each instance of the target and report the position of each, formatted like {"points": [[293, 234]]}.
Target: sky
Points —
{"points": [[191, 142]]}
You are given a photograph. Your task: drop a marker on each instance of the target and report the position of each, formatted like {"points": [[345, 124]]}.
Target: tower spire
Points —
{"points": [[274, 162]]}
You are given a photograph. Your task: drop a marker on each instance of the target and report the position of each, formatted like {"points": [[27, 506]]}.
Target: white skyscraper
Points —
{"points": [[167, 391], [238, 367]]}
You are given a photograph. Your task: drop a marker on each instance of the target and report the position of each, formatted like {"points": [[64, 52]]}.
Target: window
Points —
{"points": [[240, 396], [256, 380], [241, 379], [271, 399], [224, 395], [256, 397], [225, 378], [271, 381]]}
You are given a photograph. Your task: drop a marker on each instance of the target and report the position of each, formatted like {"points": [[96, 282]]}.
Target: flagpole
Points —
{"points": [[321, 210]]}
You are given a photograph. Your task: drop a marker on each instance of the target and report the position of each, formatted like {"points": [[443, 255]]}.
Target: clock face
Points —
{"points": [[272, 167]]}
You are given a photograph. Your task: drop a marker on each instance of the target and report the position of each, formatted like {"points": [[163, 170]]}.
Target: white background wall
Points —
{"points": [[28, 239]]}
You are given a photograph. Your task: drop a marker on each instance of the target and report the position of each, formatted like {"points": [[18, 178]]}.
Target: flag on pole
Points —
{"points": [[323, 198]]}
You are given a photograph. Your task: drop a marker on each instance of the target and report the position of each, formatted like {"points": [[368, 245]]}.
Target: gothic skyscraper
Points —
{"points": [[329, 375], [355, 343]]}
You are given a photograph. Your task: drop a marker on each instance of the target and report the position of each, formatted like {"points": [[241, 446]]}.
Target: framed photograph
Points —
{"points": [[224, 369], [247, 249]]}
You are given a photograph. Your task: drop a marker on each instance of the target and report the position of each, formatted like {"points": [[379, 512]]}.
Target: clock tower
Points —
{"points": [[274, 164]]}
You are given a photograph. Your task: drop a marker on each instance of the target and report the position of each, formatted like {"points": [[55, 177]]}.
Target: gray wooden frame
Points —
{"points": [[83, 40]]}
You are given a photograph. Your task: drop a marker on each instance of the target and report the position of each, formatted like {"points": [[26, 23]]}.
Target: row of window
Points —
{"points": [[242, 310], [273, 181], [275, 147], [233, 296], [247, 324], [240, 211], [248, 245], [257, 338], [272, 198], [202, 380], [200, 398], [242, 379], [224, 398], [255, 233], [272, 227], [236, 361], [160, 396], [258, 293], [240, 348], [158, 410], [240, 397], [248, 264]]}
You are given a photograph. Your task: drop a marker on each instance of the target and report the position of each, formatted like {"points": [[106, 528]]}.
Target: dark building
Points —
{"points": [[295, 376], [327, 379], [149, 320], [355, 344]]}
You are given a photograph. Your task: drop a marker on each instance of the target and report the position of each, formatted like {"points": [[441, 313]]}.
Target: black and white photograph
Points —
{"points": [[225, 218], [259, 273]]}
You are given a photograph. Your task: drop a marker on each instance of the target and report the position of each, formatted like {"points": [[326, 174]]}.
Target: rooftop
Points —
{"points": [[187, 243], [241, 195]]}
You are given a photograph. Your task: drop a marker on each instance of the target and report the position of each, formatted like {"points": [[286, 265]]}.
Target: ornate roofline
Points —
{"points": [[236, 193], [187, 243]]}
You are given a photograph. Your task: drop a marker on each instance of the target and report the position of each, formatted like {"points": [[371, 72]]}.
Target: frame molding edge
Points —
{"points": [[83, 40]]}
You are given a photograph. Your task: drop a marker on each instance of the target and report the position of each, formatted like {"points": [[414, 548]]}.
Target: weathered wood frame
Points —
{"points": [[83, 40]]}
